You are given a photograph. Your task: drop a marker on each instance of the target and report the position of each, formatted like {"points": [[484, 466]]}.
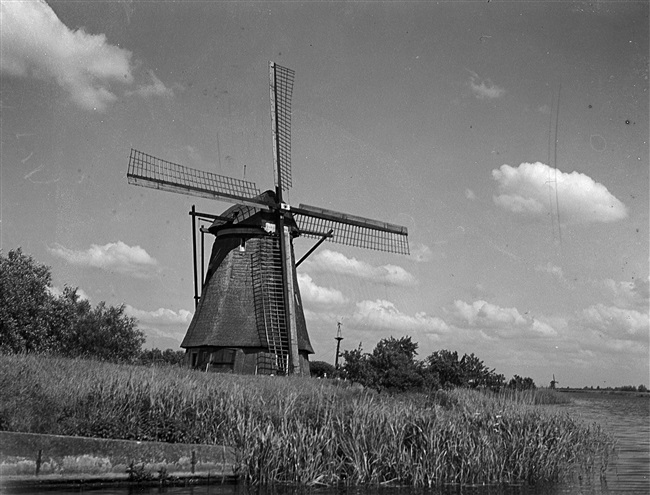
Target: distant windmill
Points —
{"points": [[249, 317], [553, 382]]}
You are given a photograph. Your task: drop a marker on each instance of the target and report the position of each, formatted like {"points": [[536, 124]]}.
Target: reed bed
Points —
{"points": [[306, 431]]}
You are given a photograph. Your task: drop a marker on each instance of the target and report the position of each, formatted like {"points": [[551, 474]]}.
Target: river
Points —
{"points": [[626, 416]]}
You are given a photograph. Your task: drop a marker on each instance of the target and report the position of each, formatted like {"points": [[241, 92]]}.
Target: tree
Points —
{"points": [[519, 383], [356, 368], [321, 369], [106, 333], [391, 366], [476, 375], [25, 304], [34, 319], [446, 366], [394, 365]]}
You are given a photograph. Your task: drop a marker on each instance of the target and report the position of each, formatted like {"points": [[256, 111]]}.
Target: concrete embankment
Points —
{"points": [[30, 460]]}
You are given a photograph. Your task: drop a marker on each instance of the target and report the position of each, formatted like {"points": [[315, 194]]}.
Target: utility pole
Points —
{"points": [[338, 339]]}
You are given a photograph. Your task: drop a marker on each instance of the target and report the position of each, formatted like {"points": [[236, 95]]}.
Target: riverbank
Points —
{"points": [[305, 431], [29, 460]]}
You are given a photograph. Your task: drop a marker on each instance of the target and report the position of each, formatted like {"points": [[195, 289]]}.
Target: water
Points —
{"points": [[625, 416]]}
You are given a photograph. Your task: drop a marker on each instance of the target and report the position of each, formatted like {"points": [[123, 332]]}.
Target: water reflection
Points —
{"points": [[627, 417]]}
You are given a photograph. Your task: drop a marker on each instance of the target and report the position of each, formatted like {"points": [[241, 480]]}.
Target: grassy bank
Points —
{"points": [[304, 430]]}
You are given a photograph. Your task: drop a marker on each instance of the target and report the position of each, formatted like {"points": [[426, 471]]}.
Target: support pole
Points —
{"points": [[196, 290], [321, 241], [202, 260]]}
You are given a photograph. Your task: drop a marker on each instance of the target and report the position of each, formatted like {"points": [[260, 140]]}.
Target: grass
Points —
{"points": [[306, 431]]}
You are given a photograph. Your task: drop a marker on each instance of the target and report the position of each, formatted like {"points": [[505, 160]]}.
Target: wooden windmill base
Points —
{"points": [[239, 324]]}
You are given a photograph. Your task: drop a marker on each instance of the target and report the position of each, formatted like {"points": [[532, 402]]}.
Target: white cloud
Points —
{"points": [[156, 88], [117, 257], [160, 316], [484, 89], [486, 314], [504, 322], [381, 314], [335, 262], [163, 327], [35, 43], [626, 294], [525, 189], [617, 322], [313, 293]]}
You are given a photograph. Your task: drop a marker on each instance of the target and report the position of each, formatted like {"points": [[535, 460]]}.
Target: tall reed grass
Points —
{"points": [[302, 430]]}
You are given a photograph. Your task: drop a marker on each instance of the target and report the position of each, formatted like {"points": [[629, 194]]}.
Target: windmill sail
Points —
{"points": [[281, 89], [351, 230], [149, 171]]}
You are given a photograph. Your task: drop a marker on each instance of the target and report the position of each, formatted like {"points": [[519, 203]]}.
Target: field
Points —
{"points": [[303, 430]]}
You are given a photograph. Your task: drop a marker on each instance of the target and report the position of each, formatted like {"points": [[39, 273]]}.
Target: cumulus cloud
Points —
{"points": [[484, 89], [155, 88], [525, 190], [35, 43], [484, 313], [160, 316], [163, 327], [505, 322], [617, 322], [626, 294], [335, 262], [114, 256], [313, 293], [381, 314]]}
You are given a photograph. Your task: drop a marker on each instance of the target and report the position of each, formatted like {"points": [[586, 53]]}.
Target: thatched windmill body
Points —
{"points": [[249, 317]]}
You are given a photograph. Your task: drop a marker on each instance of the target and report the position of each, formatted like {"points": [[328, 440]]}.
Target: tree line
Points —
{"points": [[392, 367], [33, 318]]}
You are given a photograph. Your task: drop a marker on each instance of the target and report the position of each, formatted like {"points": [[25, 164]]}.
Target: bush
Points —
{"points": [[34, 319], [321, 369], [392, 366]]}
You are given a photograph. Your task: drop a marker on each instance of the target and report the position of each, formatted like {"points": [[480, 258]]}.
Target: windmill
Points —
{"points": [[249, 317]]}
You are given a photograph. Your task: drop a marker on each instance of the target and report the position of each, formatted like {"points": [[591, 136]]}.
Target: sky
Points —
{"points": [[529, 251]]}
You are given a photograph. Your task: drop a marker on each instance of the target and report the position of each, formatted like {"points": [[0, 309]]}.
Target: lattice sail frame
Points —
{"points": [[149, 171], [353, 235], [281, 89]]}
